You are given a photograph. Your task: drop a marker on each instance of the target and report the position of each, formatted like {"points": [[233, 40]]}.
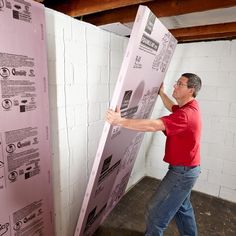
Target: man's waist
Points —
{"points": [[183, 167]]}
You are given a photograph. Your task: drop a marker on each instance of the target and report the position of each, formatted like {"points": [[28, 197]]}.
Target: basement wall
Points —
{"points": [[83, 64], [214, 62]]}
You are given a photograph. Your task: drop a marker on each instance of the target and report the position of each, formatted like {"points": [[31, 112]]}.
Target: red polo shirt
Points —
{"points": [[183, 131]]}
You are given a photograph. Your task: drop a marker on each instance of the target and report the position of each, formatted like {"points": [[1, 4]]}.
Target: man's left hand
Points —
{"points": [[113, 117]]}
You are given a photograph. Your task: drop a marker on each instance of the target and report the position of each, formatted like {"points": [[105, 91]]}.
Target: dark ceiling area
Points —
{"points": [[189, 20]]}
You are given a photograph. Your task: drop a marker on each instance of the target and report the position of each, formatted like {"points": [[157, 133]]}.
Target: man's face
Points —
{"points": [[181, 90]]}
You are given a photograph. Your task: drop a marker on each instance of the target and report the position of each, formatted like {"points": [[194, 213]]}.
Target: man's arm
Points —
{"points": [[114, 118], [168, 103]]}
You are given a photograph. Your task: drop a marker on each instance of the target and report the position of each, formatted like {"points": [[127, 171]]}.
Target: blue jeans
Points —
{"points": [[172, 200]]}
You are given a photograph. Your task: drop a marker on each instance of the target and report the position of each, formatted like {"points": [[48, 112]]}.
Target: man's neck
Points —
{"points": [[182, 102]]}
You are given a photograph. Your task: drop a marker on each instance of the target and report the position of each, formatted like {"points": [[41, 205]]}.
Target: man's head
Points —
{"points": [[186, 87], [194, 81]]}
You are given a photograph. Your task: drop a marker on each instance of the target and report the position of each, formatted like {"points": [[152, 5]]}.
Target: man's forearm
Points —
{"points": [[142, 124], [168, 103]]}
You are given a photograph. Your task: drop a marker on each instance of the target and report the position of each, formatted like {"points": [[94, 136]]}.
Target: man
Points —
{"points": [[182, 129]]}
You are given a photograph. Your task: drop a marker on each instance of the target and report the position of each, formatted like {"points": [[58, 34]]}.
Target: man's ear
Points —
{"points": [[192, 90]]}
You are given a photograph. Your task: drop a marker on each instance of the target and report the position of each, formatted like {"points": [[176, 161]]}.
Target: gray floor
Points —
{"points": [[215, 217]]}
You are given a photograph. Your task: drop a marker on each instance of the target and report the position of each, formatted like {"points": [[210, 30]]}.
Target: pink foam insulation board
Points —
{"points": [[144, 66], [25, 160]]}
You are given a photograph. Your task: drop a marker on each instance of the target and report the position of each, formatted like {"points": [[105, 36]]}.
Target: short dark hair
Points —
{"points": [[194, 81]]}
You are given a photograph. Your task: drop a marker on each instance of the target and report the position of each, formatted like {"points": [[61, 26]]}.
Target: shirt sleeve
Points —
{"points": [[176, 122]]}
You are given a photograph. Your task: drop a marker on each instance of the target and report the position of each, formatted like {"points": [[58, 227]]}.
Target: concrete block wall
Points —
{"points": [[214, 62], [83, 64]]}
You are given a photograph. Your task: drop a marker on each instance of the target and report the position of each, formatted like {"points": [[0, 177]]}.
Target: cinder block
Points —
{"points": [[97, 56], [51, 72], [195, 64], [58, 118], [57, 219], [75, 52], [70, 116], [103, 108], [219, 122], [65, 218], [204, 149], [64, 157], [228, 194], [208, 188], [50, 21], [105, 75], [62, 25], [215, 108], [80, 73], [114, 72], [212, 163], [111, 91], [77, 136], [94, 75], [214, 78], [157, 173], [78, 174], [229, 167], [69, 73], [78, 31], [155, 156], [227, 63], [205, 63], [222, 151], [226, 94], [95, 130], [51, 47], [232, 111], [233, 48], [229, 138], [62, 139], [231, 81], [178, 53], [116, 58], [64, 187], [52, 96], [216, 136], [56, 72], [155, 159], [116, 42], [209, 49], [81, 115], [224, 180], [208, 93], [93, 146], [125, 44], [98, 37], [94, 112], [98, 93], [78, 194], [60, 96], [204, 173], [75, 94], [60, 47]]}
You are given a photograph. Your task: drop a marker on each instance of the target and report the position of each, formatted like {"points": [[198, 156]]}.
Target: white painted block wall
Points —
{"points": [[84, 63], [215, 63]]}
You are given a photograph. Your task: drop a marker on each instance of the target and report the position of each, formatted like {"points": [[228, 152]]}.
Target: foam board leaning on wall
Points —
{"points": [[147, 57]]}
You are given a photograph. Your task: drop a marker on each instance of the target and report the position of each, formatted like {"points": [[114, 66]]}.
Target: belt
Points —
{"points": [[185, 167]]}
